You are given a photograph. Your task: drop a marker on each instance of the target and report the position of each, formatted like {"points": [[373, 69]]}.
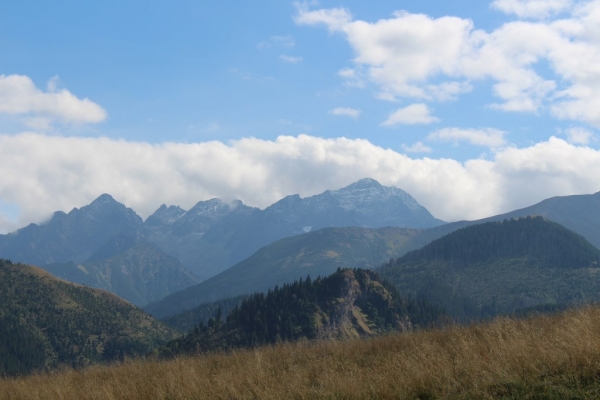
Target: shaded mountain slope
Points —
{"points": [[189, 319], [46, 322], [346, 304], [500, 267], [315, 253], [131, 267], [198, 238]]}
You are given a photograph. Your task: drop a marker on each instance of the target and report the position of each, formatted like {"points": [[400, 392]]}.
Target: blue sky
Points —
{"points": [[455, 102]]}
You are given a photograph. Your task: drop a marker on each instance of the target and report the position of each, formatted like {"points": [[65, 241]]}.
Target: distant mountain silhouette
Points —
{"points": [[101, 245], [70, 237]]}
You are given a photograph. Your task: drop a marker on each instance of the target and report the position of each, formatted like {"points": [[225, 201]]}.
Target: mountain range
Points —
{"points": [[319, 253], [214, 235]]}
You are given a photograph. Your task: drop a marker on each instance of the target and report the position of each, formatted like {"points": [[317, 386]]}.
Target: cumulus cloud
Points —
{"points": [[20, 96], [487, 137], [532, 8], [335, 18], [345, 111], [418, 147], [579, 135], [42, 173], [411, 115], [438, 59]]}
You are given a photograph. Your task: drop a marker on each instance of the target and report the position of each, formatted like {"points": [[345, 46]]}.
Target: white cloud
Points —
{"points": [[418, 147], [335, 18], [352, 77], [487, 137], [20, 96], [42, 173], [532, 65], [290, 59], [402, 52], [345, 111], [277, 41], [414, 114], [579, 136], [532, 8]]}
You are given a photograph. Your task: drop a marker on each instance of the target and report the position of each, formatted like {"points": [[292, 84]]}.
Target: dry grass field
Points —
{"points": [[538, 358]]}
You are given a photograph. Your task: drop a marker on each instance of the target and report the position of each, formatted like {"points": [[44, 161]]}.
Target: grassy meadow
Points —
{"points": [[543, 357]]}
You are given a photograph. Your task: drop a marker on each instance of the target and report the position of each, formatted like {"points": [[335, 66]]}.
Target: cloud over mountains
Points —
{"points": [[43, 173]]}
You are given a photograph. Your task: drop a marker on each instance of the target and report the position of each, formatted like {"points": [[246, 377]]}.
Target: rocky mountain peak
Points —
{"points": [[212, 208], [165, 215], [368, 192], [204, 214], [365, 183]]}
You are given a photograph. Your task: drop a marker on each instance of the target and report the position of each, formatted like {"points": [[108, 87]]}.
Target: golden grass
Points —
{"points": [[544, 357]]}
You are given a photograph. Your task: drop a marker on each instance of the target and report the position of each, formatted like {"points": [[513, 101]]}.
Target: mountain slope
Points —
{"points": [[579, 213], [46, 323], [315, 253], [500, 267], [131, 267], [198, 237], [346, 304]]}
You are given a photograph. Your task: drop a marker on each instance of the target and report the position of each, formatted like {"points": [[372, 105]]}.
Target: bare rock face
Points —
{"points": [[354, 310]]}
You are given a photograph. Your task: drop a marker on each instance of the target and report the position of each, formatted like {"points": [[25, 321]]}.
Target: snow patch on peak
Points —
{"points": [[166, 215], [369, 192]]}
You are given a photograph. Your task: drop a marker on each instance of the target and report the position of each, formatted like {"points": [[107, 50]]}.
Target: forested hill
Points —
{"points": [[547, 242], [46, 323], [348, 303], [501, 267]]}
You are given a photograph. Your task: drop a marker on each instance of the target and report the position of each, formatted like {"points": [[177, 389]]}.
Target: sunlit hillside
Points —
{"points": [[543, 357]]}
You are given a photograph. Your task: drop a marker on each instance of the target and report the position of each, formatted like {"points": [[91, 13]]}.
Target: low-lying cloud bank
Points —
{"points": [[42, 173]]}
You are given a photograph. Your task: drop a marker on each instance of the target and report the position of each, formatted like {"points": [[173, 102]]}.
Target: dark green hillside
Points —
{"points": [[580, 213], [46, 323], [316, 253], [349, 303], [501, 267], [532, 237], [187, 320]]}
